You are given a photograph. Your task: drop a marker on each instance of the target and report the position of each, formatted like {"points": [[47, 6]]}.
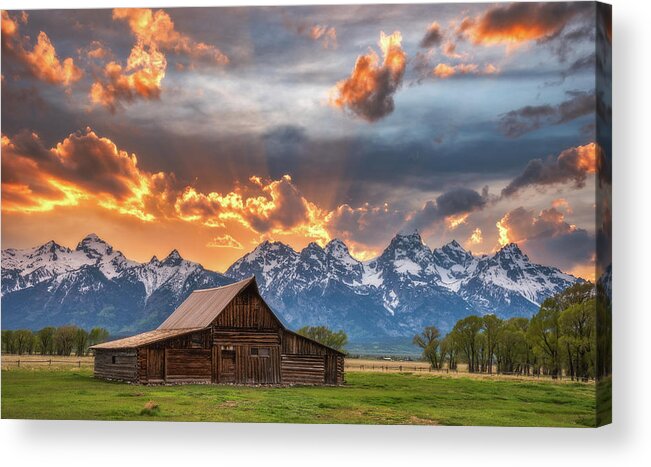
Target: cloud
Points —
{"points": [[368, 92], [85, 167], [443, 70], [143, 74], [224, 241], [82, 166], [520, 22], [525, 119], [323, 34], [156, 29], [433, 36], [42, 61], [573, 165], [548, 237], [450, 206], [365, 226]]}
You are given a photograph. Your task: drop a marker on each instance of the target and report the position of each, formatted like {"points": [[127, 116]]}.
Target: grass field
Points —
{"points": [[368, 398]]}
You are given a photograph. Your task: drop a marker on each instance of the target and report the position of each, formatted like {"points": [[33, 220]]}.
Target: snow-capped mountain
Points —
{"points": [[95, 285], [408, 286]]}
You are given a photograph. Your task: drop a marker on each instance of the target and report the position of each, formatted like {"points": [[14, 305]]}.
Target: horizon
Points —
{"points": [[210, 130], [161, 258]]}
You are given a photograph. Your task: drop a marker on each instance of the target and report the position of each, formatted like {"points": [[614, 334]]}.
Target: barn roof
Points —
{"points": [[143, 338], [203, 306]]}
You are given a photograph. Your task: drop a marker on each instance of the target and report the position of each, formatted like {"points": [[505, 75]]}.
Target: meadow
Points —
{"points": [[366, 398]]}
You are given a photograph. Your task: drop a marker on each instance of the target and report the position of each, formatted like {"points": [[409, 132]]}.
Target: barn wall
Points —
{"points": [[303, 369], [188, 365], [162, 361], [117, 364], [247, 310], [304, 361]]}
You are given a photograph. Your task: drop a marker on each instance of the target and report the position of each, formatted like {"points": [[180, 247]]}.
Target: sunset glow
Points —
{"points": [[213, 130]]}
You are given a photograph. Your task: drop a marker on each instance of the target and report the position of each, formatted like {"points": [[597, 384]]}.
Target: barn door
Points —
{"points": [[227, 366], [155, 364]]}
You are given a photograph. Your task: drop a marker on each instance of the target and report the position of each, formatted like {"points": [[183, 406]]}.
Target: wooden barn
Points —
{"points": [[221, 335]]}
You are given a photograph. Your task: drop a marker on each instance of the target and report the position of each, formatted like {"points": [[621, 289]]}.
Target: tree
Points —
{"points": [[544, 334], [81, 342], [45, 340], [8, 341], [577, 325], [64, 340], [449, 352], [336, 340], [491, 325], [97, 336], [429, 341], [465, 334], [24, 339]]}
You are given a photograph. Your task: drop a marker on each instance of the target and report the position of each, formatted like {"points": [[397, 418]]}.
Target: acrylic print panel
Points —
{"points": [[386, 214]]}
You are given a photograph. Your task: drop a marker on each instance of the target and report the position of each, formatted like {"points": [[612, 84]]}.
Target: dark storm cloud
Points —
{"points": [[529, 118], [571, 166], [451, 203], [433, 36], [549, 238]]}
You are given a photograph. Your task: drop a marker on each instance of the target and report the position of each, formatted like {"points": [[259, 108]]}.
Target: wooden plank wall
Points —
{"points": [[125, 367], [303, 369], [188, 365], [247, 310], [151, 358]]}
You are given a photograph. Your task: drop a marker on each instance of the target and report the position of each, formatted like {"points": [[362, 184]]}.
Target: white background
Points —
{"points": [[626, 442]]}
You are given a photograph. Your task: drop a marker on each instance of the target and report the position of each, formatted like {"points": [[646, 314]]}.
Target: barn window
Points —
{"points": [[197, 340], [259, 351], [114, 359]]}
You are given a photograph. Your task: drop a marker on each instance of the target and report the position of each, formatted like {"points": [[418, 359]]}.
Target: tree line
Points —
{"points": [[561, 339], [61, 340]]}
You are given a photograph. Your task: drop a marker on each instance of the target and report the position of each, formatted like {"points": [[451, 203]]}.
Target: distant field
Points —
{"points": [[367, 398]]}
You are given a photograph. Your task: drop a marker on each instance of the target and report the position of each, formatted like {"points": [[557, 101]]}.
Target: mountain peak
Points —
{"points": [[94, 246], [50, 247], [174, 255], [511, 248], [336, 246]]}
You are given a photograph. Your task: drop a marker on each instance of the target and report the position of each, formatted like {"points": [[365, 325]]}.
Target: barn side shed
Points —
{"points": [[222, 335]]}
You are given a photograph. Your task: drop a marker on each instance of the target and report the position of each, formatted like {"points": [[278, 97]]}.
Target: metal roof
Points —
{"points": [[144, 338], [203, 306]]}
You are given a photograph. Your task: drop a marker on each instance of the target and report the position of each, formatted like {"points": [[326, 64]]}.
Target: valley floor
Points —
{"points": [[367, 398]]}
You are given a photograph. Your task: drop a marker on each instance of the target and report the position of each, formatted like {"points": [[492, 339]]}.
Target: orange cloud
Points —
{"points": [[143, 74], [476, 237], [519, 22], [42, 61], [224, 241], [571, 165], [444, 71], [85, 167], [549, 237], [156, 30], [368, 92], [327, 36]]}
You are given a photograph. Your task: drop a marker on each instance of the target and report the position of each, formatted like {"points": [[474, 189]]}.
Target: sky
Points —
{"points": [[210, 130]]}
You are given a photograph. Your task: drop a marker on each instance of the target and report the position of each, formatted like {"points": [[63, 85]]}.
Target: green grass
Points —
{"points": [[369, 398]]}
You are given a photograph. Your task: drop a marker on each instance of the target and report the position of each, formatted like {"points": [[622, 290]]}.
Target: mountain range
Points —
{"points": [[407, 287]]}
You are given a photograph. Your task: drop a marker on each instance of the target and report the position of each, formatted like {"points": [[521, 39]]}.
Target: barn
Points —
{"points": [[221, 335]]}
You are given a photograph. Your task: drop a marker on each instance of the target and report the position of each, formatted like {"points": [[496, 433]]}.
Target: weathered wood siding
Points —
{"points": [[154, 367], [303, 369], [247, 310], [116, 364], [188, 365]]}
